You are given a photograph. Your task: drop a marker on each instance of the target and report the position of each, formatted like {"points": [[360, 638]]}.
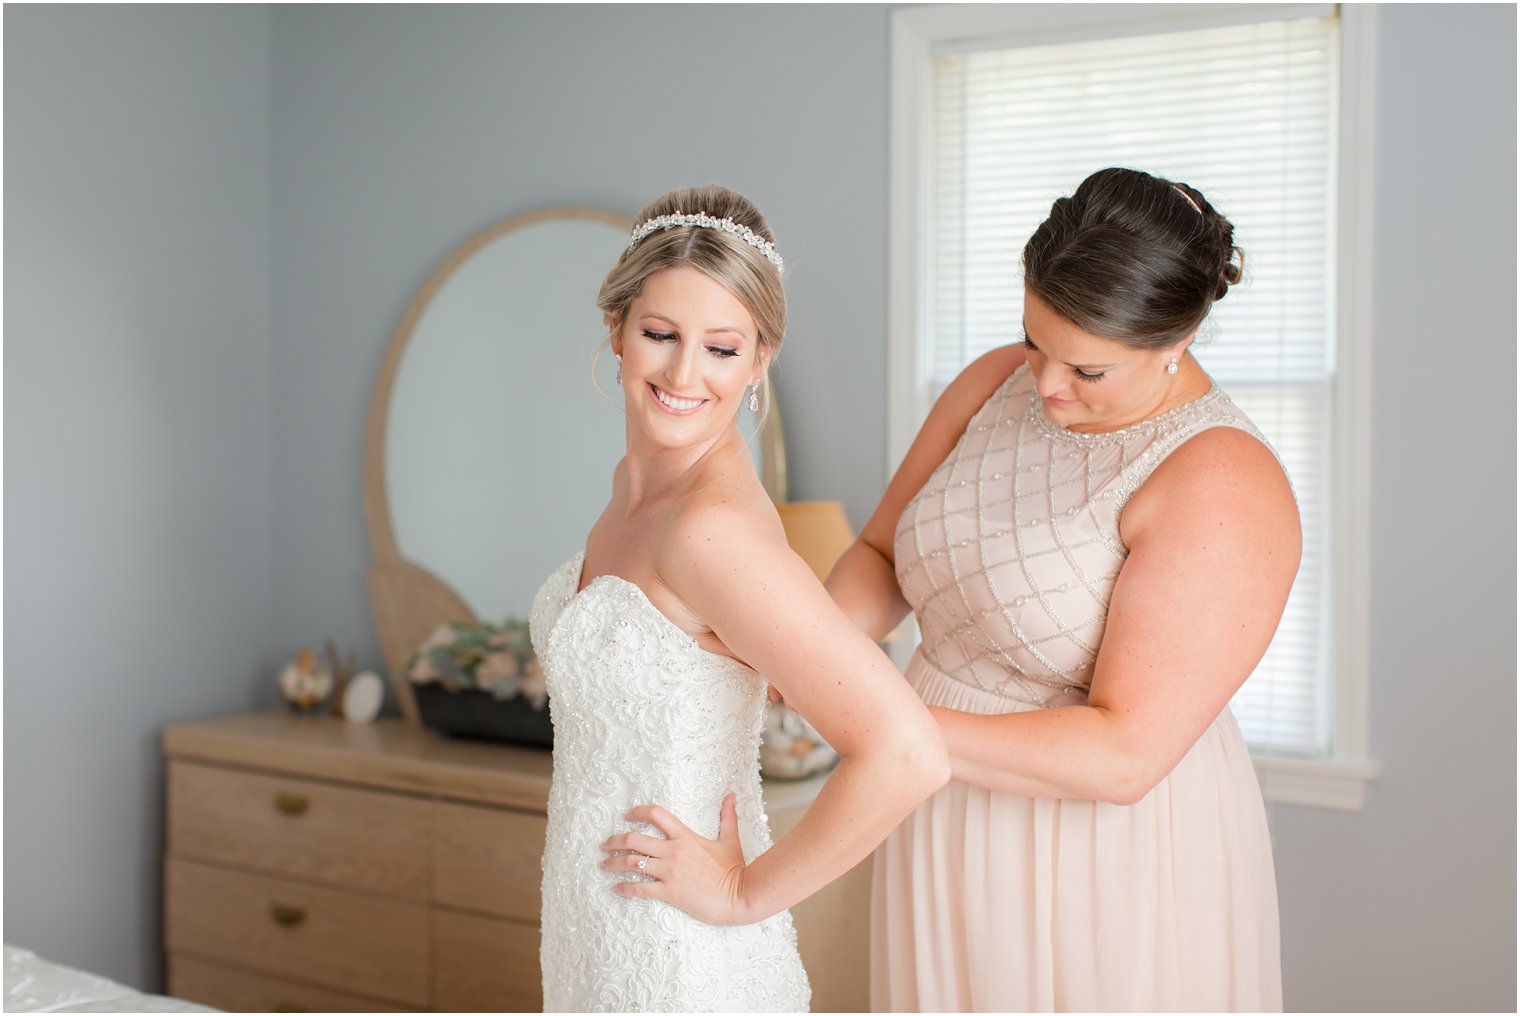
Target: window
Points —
{"points": [[1009, 108]]}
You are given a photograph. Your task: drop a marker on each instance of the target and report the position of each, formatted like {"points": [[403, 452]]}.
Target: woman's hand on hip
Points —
{"points": [[703, 877]]}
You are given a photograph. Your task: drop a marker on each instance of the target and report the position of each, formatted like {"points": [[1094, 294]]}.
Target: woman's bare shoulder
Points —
{"points": [[975, 383], [1222, 477], [726, 516]]}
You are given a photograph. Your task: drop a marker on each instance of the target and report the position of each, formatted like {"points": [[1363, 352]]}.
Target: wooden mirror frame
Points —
{"points": [[408, 600]]}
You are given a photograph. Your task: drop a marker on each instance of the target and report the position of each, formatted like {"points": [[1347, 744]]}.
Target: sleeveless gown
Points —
{"points": [[643, 715], [985, 901]]}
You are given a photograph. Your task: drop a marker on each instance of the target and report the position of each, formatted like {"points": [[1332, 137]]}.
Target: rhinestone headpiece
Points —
{"points": [[706, 221]]}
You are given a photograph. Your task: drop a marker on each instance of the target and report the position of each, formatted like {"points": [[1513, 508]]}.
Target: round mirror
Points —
{"points": [[490, 450]]}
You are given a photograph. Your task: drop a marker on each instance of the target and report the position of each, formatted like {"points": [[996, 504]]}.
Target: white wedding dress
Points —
{"points": [[644, 715]]}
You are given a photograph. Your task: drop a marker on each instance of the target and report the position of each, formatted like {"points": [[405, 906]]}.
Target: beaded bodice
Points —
{"points": [[1010, 552], [644, 715]]}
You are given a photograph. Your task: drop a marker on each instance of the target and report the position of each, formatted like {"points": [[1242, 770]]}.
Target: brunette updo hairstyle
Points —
{"points": [[1133, 258], [722, 257]]}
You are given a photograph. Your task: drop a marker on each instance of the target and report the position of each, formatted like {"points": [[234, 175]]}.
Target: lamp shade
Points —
{"points": [[818, 531]]}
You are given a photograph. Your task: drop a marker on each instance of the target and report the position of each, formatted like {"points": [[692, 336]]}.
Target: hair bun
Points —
{"points": [[1232, 260], [1133, 257]]}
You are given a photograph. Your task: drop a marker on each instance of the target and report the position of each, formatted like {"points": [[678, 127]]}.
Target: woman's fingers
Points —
{"points": [[651, 845], [644, 890], [643, 864], [661, 819]]}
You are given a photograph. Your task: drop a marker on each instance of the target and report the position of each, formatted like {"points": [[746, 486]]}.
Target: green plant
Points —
{"points": [[494, 658]]}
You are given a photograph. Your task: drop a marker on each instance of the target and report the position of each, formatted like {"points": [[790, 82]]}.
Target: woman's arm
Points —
{"points": [[768, 608], [863, 581], [1214, 545], [863, 584]]}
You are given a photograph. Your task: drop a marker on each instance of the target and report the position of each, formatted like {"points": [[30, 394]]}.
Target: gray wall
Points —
{"points": [[137, 401], [1410, 905], [399, 132]]}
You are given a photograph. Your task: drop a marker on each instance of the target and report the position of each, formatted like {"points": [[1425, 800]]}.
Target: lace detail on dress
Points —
{"points": [[1010, 552], [557, 591], [642, 714]]}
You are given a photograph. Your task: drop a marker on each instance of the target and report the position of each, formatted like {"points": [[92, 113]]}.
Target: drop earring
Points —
{"points": [[754, 398], [619, 375], [1171, 368]]}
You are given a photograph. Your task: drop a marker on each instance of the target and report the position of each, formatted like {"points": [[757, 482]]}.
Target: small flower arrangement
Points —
{"points": [[493, 658], [306, 682]]}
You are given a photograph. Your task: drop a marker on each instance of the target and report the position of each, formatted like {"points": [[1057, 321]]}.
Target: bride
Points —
{"points": [[653, 640]]}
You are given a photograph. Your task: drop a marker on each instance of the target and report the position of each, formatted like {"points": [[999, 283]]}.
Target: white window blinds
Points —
{"points": [[1247, 114]]}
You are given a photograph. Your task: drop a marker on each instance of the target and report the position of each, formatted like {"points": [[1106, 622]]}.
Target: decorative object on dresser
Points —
{"points": [[482, 680], [321, 865], [363, 698], [790, 747], [305, 682]]}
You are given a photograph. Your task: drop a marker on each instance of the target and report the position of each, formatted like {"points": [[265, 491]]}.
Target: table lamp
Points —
{"points": [[818, 531]]}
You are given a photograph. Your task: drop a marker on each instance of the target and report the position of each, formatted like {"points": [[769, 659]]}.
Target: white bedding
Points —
{"points": [[32, 984]]}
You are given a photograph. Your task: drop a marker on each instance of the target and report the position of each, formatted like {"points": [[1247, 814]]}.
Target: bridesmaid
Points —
{"points": [[1098, 546]]}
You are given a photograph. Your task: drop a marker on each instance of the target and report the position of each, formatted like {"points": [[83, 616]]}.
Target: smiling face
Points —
{"points": [[1089, 383], [689, 350]]}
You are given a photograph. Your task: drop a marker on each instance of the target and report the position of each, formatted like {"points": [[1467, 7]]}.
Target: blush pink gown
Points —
{"points": [[986, 901]]}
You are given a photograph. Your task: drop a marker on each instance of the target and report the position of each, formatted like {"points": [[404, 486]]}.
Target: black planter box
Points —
{"points": [[479, 714]]}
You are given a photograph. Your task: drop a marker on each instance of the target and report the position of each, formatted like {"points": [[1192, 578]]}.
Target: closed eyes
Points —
{"points": [[722, 352], [1082, 375]]}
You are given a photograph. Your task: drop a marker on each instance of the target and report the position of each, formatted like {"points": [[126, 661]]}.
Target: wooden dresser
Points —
{"points": [[315, 865]]}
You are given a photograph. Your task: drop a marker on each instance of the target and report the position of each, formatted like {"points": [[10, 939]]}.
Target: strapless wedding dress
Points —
{"points": [[644, 715]]}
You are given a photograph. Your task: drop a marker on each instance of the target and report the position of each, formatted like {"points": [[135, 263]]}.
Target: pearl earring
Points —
{"points": [[754, 398], [1171, 368], [619, 360]]}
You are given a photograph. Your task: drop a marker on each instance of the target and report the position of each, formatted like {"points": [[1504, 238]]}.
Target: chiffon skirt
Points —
{"points": [[984, 901]]}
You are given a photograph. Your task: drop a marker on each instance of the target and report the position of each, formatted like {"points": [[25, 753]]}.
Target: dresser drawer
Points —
{"points": [[488, 859], [485, 965], [239, 991], [298, 931], [362, 839]]}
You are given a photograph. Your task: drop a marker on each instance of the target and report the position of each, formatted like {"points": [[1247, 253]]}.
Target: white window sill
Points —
{"points": [[1336, 783]]}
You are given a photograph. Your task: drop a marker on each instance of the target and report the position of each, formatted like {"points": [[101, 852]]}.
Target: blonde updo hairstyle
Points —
{"points": [[726, 259]]}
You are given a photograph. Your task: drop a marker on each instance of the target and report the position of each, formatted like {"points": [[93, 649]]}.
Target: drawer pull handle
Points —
{"points": [[287, 915], [291, 804]]}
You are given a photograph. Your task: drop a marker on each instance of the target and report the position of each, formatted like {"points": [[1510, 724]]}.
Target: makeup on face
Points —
{"points": [[690, 346], [1087, 382]]}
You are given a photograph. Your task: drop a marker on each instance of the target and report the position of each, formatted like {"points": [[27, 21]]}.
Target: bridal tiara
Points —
{"points": [[705, 221]]}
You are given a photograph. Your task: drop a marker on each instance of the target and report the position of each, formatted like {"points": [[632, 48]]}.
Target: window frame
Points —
{"points": [[1336, 781]]}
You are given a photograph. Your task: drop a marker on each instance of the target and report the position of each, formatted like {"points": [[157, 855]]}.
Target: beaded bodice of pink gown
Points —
{"points": [[985, 901]]}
